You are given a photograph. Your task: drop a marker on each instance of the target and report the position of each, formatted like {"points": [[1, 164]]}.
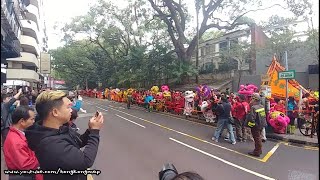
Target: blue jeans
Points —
{"points": [[220, 126]]}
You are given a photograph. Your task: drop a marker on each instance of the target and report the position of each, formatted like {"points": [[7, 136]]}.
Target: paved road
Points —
{"points": [[135, 144]]}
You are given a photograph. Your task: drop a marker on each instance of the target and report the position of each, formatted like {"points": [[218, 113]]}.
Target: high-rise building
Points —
{"points": [[12, 11], [23, 70]]}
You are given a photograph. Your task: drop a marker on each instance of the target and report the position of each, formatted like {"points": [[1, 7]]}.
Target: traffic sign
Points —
{"points": [[290, 74]]}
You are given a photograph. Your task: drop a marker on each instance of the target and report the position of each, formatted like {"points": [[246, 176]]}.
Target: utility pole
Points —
{"points": [[197, 49], [286, 66]]}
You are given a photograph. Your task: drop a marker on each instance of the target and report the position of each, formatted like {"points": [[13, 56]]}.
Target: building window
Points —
{"points": [[223, 45], [202, 51], [207, 49]]}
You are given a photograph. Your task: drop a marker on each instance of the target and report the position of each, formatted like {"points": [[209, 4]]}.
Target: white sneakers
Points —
{"points": [[82, 110], [214, 139]]}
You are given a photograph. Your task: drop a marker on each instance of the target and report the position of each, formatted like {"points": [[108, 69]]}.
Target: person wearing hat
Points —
{"points": [[256, 120]]}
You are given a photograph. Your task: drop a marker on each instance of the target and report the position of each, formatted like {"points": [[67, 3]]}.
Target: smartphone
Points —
{"points": [[97, 114]]}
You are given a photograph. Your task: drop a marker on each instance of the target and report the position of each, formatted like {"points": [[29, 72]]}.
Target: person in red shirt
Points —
{"points": [[240, 109], [17, 154], [279, 106]]}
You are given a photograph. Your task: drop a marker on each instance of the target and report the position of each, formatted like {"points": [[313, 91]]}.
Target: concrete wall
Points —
{"points": [[303, 79], [314, 81], [246, 79]]}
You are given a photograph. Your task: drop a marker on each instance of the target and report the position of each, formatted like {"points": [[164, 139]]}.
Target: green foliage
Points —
{"points": [[136, 45]]}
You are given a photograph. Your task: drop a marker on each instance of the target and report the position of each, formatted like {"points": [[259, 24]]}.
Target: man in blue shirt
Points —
{"points": [[147, 101]]}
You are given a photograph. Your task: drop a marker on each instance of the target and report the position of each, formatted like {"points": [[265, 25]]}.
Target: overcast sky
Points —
{"points": [[61, 11]]}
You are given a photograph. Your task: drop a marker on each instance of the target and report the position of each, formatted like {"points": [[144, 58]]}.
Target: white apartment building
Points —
{"points": [[25, 70], [209, 50]]}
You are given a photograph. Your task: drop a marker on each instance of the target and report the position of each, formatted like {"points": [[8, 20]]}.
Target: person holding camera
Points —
{"points": [[57, 145], [224, 115], [6, 102]]}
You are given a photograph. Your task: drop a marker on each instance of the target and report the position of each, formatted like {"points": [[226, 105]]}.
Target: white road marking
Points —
{"points": [[224, 161], [130, 121], [101, 108], [274, 148], [190, 136]]}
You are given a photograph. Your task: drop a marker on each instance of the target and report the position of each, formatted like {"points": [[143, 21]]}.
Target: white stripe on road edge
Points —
{"points": [[130, 121], [224, 161], [190, 136], [101, 108], [270, 153]]}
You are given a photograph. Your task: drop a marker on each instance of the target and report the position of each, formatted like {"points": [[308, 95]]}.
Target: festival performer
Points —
{"points": [[167, 98], [148, 99], [129, 93], [178, 102], [278, 120], [159, 101], [154, 90], [189, 102], [248, 90], [204, 94]]}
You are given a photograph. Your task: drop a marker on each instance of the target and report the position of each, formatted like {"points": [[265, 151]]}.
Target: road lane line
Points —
{"points": [[163, 114], [264, 159], [101, 108], [224, 161], [270, 153], [130, 121], [190, 136]]}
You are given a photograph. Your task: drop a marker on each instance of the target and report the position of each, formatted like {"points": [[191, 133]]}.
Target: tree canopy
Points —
{"points": [[149, 41]]}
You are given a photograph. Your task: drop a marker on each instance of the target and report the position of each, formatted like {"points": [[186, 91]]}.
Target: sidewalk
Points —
{"points": [[296, 138]]}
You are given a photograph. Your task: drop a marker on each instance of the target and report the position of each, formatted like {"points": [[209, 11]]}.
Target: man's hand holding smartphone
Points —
{"points": [[96, 122]]}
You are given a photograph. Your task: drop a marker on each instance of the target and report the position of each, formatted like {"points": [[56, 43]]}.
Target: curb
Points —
{"points": [[290, 140], [272, 136]]}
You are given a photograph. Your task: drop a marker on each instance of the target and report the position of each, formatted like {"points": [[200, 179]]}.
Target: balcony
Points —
{"points": [[27, 59], [29, 44], [29, 28], [33, 14], [10, 30], [22, 74], [10, 19]]}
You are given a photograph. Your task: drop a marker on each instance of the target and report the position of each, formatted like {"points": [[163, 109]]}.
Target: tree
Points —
{"points": [[175, 16], [239, 52]]}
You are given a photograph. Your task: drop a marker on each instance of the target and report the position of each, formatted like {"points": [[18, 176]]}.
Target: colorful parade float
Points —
{"points": [[275, 87]]}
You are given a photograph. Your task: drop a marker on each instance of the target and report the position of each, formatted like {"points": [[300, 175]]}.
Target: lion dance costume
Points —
{"points": [[278, 120]]}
